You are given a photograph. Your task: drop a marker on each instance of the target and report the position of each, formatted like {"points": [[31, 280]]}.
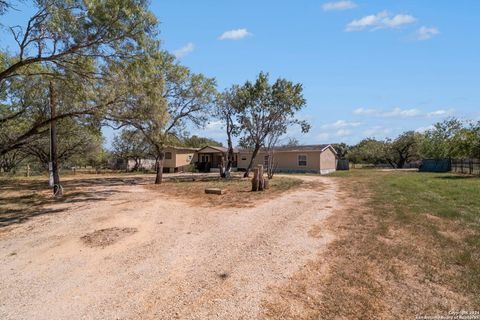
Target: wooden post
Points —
{"points": [[255, 180], [258, 181], [28, 171], [57, 191], [261, 179]]}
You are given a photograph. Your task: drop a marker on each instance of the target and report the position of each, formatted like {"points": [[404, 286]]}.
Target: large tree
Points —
{"points": [[131, 144], [60, 32], [163, 97], [396, 153], [265, 109], [368, 150], [403, 149], [75, 140], [439, 142], [226, 112], [466, 142], [69, 43]]}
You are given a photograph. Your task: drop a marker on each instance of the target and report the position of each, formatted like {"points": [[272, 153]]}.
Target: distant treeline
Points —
{"points": [[450, 139]]}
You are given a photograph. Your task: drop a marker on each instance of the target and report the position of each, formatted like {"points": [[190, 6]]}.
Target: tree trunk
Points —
{"points": [[228, 167], [222, 168], [392, 163], [254, 155], [159, 165], [230, 154], [53, 143]]}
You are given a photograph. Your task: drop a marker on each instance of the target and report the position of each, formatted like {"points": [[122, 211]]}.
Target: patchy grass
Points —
{"points": [[238, 191], [408, 244], [22, 198]]}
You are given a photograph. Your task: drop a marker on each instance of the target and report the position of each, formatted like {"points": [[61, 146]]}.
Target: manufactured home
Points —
{"points": [[177, 159], [294, 159], [320, 158]]}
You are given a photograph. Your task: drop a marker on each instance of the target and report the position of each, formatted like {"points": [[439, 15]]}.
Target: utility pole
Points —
{"points": [[53, 165]]}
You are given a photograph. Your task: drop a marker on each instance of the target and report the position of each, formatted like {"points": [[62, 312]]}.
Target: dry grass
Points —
{"points": [[24, 198], [399, 253], [237, 191]]}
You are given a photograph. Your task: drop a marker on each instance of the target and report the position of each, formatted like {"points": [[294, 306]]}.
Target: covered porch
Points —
{"points": [[211, 158]]}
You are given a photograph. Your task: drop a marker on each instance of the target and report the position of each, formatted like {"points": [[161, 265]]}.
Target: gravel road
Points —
{"points": [[182, 262]]}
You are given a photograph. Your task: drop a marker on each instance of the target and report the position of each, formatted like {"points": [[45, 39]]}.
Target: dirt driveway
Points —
{"points": [[165, 259]]}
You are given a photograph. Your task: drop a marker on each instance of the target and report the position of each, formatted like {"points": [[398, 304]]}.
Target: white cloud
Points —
{"points": [[402, 113], [183, 51], [364, 111], [376, 131], [214, 125], [236, 34], [339, 5], [425, 33], [440, 113], [380, 20], [213, 130], [396, 112], [340, 124], [343, 133]]}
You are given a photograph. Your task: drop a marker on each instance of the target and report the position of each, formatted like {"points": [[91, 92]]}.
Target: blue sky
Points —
{"points": [[368, 68]]}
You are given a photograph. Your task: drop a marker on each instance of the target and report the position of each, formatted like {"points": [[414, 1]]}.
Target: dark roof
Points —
{"points": [[301, 148], [307, 147], [220, 149], [182, 148]]}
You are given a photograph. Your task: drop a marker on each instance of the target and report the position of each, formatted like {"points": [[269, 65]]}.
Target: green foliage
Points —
{"points": [[263, 108], [438, 142], [159, 98], [199, 142], [265, 111], [342, 149], [403, 149], [77, 143], [69, 43], [452, 138], [368, 151], [396, 152]]}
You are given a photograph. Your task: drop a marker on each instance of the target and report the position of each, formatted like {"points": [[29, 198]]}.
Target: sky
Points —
{"points": [[368, 68]]}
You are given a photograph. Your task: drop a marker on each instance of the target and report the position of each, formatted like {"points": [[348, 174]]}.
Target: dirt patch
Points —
{"points": [[106, 237], [237, 191], [185, 262]]}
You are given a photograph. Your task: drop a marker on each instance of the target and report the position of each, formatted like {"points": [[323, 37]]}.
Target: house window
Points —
{"points": [[265, 161], [168, 155], [244, 158], [189, 157], [302, 160]]}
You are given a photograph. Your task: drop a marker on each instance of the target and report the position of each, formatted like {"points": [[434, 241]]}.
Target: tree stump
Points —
{"points": [[258, 181], [261, 179], [255, 180]]}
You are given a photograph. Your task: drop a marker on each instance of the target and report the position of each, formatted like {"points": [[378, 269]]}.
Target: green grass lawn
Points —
{"points": [[440, 212]]}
